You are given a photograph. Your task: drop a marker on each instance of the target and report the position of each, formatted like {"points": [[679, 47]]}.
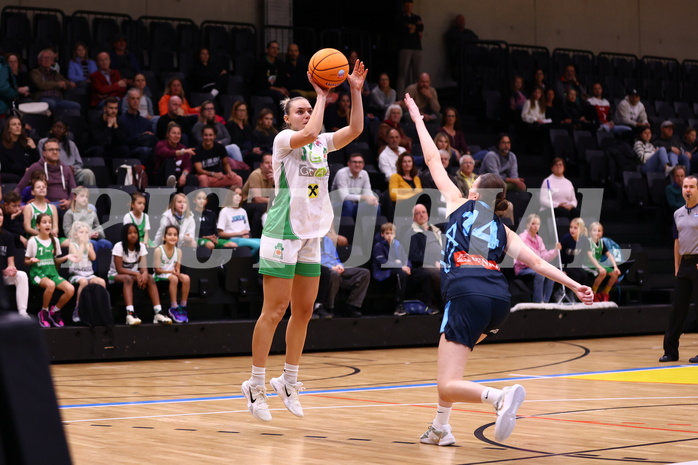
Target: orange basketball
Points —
{"points": [[328, 67]]}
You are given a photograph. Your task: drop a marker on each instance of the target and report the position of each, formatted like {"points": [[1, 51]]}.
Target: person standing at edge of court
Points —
{"points": [[685, 268], [298, 219]]}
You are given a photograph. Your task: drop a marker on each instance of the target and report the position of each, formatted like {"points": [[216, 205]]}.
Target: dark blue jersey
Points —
{"points": [[474, 245]]}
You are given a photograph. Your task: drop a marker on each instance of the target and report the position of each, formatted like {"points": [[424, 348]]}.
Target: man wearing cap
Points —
{"points": [[671, 143], [685, 268], [124, 60], [631, 112]]}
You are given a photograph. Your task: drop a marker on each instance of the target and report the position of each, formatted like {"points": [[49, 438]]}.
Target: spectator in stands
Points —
{"points": [[409, 29], [173, 159], [652, 158], [503, 162], [631, 111], [241, 131], [294, 73], [17, 151], [542, 286], [81, 65], [538, 80], [178, 214], [233, 224], [38, 205], [517, 98], [356, 279], [344, 88], [106, 82], [674, 193], [690, 146], [14, 218], [672, 144], [600, 264], [568, 81], [563, 193], [533, 111], [145, 104], [602, 111], [465, 177], [574, 243], [260, 182], [265, 132], [123, 60], [69, 153], [108, 137], [457, 39], [450, 125], [425, 173], [81, 211], [50, 84], [21, 78], [404, 183], [11, 276], [174, 115], [553, 107], [354, 186], [207, 117], [61, 181], [391, 260], [337, 115], [382, 96], [393, 115], [574, 112], [426, 98], [206, 219], [174, 88], [211, 163], [257, 192], [442, 142], [265, 78], [425, 254], [207, 75], [137, 129], [8, 87], [387, 158]]}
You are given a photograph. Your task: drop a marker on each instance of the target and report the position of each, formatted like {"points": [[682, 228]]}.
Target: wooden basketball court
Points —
{"points": [[589, 401]]}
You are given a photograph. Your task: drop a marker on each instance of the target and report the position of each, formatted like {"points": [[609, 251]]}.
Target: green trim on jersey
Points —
{"points": [[140, 226], [36, 212], [278, 225], [310, 270]]}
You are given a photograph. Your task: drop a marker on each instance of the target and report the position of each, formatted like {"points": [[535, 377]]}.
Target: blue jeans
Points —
{"points": [[658, 161], [60, 104], [542, 286]]}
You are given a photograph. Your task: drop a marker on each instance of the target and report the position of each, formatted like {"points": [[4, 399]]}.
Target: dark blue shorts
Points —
{"points": [[467, 318]]}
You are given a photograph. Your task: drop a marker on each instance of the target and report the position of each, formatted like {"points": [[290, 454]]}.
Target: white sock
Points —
{"points": [[129, 309], [442, 416], [259, 376], [157, 308], [56, 310], [490, 396], [290, 373]]}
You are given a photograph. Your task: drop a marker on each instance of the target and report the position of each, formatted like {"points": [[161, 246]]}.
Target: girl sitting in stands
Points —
{"points": [[39, 206], [233, 224], [81, 272], [139, 217], [596, 256], [80, 211], [542, 286], [178, 214], [128, 266], [167, 267], [11, 276], [42, 256]]}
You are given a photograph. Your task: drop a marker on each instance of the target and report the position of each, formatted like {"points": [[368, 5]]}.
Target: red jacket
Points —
{"points": [[101, 89]]}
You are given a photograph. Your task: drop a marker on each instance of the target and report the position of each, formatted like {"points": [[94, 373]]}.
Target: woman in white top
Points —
{"points": [[561, 190], [297, 221], [534, 108]]}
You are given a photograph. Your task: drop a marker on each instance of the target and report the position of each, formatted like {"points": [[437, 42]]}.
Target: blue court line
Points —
{"points": [[369, 389]]}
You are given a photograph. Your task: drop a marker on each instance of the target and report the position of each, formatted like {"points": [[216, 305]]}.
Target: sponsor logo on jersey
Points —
{"points": [[279, 251], [313, 191], [310, 172], [461, 258]]}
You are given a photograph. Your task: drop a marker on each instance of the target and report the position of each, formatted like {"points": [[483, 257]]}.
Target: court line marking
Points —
{"points": [[369, 389]]}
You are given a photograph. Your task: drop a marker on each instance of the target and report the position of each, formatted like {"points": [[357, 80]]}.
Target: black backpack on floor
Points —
{"points": [[95, 306]]}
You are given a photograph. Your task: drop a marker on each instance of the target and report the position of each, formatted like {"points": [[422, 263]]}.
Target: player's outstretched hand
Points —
{"points": [[585, 294], [412, 108], [358, 76], [318, 88]]}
